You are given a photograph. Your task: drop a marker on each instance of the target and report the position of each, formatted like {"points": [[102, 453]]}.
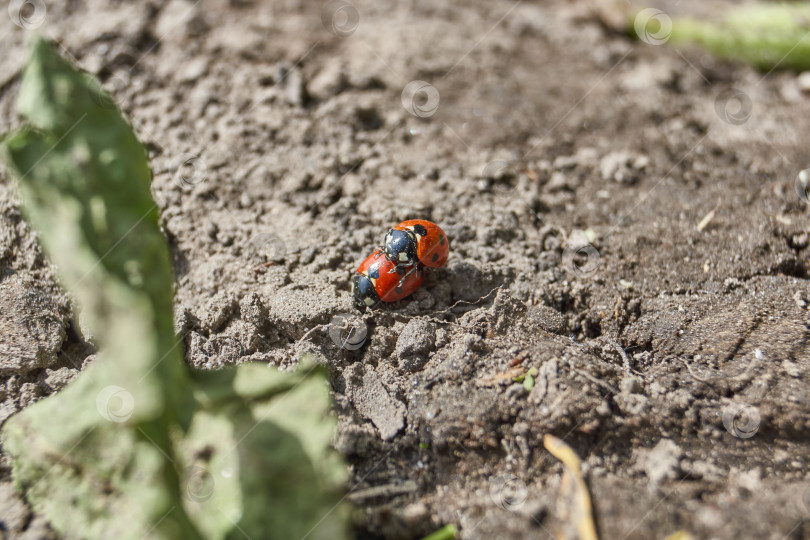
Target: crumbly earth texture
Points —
{"points": [[623, 228]]}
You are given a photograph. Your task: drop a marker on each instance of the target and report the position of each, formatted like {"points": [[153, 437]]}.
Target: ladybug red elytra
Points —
{"points": [[416, 241], [379, 279]]}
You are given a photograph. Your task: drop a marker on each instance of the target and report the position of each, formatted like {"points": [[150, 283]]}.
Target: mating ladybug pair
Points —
{"points": [[397, 269]]}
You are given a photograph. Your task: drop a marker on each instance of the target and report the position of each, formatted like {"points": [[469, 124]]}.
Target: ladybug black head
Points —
{"points": [[363, 293], [400, 247]]}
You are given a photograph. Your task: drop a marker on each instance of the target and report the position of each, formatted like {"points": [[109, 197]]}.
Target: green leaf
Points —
{"points": [[83, 464], [266, 464], [448, 532], [766, 36], [84, 454], [85, 179], [138, 446]]}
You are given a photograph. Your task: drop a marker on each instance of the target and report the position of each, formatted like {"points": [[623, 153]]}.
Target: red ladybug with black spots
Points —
{"points": [[378, 279], [416, 241]]}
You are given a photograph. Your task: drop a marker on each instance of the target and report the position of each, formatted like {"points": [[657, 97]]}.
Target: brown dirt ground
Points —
{"points": [[551, 132]]}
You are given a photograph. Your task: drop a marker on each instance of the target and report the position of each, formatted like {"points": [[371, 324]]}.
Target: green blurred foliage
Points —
{"points": [[766, 36], [448, 532], [140, 445]]}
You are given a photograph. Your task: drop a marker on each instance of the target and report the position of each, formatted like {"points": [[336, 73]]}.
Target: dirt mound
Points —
{"points": [[571, 169]]}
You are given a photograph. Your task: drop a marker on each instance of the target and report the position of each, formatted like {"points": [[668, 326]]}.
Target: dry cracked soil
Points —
{"points": [[624, 223]]}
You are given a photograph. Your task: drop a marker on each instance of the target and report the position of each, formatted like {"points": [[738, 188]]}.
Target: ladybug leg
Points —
{"points": [[400, 269]]}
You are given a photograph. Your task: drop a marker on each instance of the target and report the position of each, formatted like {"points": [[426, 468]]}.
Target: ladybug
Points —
{"points": [[379, 279], [416, 241]]}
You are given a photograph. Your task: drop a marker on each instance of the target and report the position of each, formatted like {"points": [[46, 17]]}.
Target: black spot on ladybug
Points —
{"points": [[435, 257], [398, 289], [400, 270], [441, 239], [420, 230], [374, 273]]}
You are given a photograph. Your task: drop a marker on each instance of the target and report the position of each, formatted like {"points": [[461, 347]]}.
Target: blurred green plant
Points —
{"points": [[140, 445], [448, 532], [766, 36]]}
